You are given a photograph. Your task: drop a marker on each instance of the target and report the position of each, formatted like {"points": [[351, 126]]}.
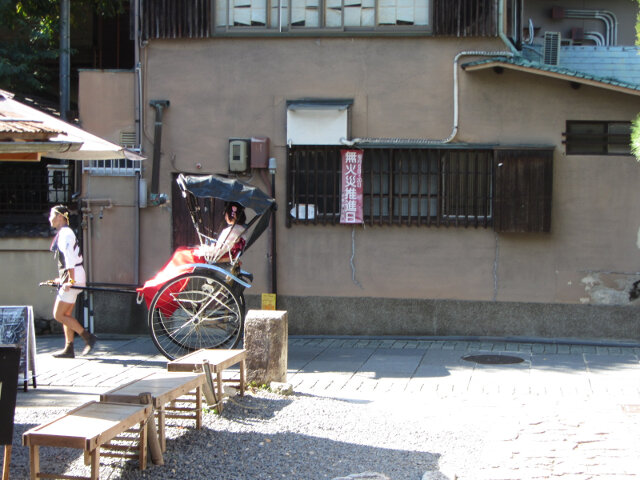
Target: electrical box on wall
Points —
{"points": [[238, 155], [259, 152]]}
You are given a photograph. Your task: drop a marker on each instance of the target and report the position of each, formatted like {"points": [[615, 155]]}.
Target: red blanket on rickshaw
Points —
{"points": [[173, 268]]}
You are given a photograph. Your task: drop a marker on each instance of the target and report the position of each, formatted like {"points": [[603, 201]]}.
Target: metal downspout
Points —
{"points": [[138, 125], [154, 197], [65, 53], [136, 234], [271, 240], [87, 216], [274, 263]]}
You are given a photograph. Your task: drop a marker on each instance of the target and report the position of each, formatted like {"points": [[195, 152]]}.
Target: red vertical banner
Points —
{"points": [[351, 203]]}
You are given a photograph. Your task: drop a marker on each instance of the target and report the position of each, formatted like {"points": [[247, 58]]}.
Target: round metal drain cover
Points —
{"points": [[493, 359]]}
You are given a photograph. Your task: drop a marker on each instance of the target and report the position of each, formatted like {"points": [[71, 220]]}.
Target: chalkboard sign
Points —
{"points": [[9, 364], [16, 328]]}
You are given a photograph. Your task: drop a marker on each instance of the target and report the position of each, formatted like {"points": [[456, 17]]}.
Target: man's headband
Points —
{"points": [[65, 214]]}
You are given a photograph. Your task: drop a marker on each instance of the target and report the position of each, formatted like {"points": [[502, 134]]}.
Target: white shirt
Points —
{"points": [[68, 246], [228, 237]]}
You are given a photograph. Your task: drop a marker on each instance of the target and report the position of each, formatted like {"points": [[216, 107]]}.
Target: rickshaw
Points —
{"points": [[196, 301]]}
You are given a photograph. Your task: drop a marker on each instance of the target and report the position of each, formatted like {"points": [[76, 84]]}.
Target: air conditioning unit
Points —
{"points": [[58, 183], [551, 52]]}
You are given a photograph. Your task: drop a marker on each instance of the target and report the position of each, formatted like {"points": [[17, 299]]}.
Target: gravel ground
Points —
{"points": [[268, 436]]}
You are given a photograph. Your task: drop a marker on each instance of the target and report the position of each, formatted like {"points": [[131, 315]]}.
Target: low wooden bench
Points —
{"points": [[218, 360], [164, 388], [88, 427]]}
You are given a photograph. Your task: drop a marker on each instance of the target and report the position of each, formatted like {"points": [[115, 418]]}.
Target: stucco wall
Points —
{"points": [[25, 263], [107, 104], [403, 88]]}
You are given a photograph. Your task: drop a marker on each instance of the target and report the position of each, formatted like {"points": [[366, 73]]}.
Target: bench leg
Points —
{"points": [[161, 430], [6, 463], [198, 408], [34, 455], [143, 444], [95, 463], [243, 372], [220, 390], [209, 388]]}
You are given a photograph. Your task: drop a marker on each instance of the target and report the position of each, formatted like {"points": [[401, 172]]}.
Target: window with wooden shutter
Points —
{"points": [[184, 233], [523, 184]]}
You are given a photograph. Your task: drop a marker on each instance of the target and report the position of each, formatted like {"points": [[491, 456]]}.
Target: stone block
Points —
{"points": [[266, 334]]}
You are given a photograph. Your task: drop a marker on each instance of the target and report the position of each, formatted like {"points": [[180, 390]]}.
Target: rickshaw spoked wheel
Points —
{"points": [[196, 310]]}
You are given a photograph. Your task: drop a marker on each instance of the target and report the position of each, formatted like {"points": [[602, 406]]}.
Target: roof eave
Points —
{"points": [[43, 147], [556, 75]]}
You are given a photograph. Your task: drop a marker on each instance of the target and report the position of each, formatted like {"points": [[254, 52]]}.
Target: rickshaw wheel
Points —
{"points": [[193, 311]]}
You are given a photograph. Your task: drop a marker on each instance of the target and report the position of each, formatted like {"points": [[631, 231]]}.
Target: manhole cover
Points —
{"points": [[493, 359]]}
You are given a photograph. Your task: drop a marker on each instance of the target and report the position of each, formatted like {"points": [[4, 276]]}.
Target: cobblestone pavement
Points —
{"points": [[564, 411]]}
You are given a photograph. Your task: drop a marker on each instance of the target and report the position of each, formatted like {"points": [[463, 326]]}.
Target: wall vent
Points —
{"points": [[551, 48], [128, 140]]}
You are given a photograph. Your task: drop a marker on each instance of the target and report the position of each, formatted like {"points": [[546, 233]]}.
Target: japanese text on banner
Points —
{"points": [[351, 203]]}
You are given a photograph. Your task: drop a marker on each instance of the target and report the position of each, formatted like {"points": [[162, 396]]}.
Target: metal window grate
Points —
{"points": [[465, 18], [401, 186], [467, 187], [29, 190], [176, 18], [117, 167], [598, 137]]}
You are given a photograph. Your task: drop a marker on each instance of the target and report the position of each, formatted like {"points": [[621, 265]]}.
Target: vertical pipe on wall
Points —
{"points": [[136, 233], [64, 59], [274, 271], [137, 107]]}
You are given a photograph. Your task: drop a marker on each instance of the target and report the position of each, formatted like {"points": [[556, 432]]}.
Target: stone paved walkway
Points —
{"points": [[565, 411]]}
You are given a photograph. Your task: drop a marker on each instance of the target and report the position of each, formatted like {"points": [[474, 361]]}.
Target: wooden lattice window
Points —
{"points": [[509, 189], [176, 18], [524, 180], [598, 138], [401, 186], [465, 18]]}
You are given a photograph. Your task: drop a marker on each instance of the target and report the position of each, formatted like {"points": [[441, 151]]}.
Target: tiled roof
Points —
{"points": [[614, 62], [602, 70], [16, 126]]}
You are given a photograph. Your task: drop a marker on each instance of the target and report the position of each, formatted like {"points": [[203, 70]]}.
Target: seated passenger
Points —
{"points": [[230, 241]]}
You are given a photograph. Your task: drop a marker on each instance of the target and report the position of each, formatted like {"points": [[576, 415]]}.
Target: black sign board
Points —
{"points": [[9, 365], [16, 328]]}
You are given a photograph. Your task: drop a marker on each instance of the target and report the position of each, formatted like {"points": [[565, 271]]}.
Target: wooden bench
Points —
{"points": [[164, 388], [218, 360], [88, 427]]}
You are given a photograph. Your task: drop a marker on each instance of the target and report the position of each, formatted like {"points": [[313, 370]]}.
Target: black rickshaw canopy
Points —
{"points": [[228, 190]]}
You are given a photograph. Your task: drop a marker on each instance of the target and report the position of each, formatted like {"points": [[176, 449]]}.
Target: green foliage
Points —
{"points": [[635, 137], [27, 51], [29, 40]]}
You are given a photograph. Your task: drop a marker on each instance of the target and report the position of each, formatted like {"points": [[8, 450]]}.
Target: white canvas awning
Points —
{"points": [[64, 141]]}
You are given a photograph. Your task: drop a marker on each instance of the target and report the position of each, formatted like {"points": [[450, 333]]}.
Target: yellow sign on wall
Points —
{"points": [[268, 301]]}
